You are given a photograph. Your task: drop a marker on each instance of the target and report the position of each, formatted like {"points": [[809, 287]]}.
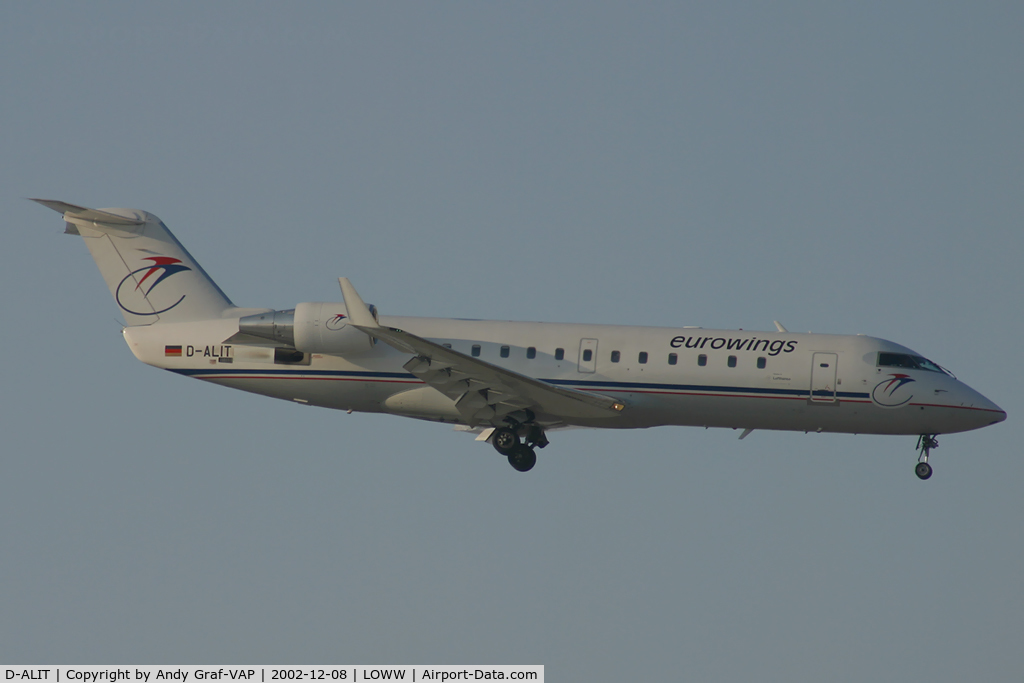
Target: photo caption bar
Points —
{"points": [[270, 674]]}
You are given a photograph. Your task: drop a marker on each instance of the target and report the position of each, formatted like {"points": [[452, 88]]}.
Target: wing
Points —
{"points": [[483, 392]]}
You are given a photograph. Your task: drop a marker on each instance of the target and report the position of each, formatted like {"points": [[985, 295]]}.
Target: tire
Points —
{"points": [[923, 470], [504, 440], [522, 458]]}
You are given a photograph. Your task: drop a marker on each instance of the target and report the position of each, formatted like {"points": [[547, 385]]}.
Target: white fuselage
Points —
{"points": [[512, 382], [664, 376]]}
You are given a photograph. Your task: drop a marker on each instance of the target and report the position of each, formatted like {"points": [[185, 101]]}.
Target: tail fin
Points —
{"points": [[149, 273]]}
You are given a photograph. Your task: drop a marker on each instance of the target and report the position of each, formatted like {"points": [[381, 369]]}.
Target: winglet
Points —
{"points": [[358, 311], [779, 326]]}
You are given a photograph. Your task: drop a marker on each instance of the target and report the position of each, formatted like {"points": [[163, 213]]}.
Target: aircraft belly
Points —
{"points": [[644, 409], [795, 414], [785, 413], [339, 395]]}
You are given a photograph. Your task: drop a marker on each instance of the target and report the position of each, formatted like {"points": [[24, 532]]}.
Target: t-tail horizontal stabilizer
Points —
{"points": [[151, 276], [74, 214]]}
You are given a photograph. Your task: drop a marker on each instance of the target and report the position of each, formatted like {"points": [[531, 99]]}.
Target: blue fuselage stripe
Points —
{"points": [[579, 384]]}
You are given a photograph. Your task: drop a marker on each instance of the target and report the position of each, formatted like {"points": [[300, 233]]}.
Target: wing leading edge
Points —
{"points": [[484, 393]]}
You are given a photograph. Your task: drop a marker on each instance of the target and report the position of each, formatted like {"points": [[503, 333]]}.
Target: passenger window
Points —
{"points": [[476, 350], [559, 354], [732, 361], [615, 356], [642, 357], [587, 355], [702, 360], [673, 359], [504, 352], [531, 352], [762, 363]]}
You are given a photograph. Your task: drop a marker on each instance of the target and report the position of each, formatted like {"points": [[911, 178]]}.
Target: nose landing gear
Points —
{"points": [[925, 443]]}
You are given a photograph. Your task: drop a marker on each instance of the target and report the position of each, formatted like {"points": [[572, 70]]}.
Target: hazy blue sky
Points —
{"points": [[840, 167]]}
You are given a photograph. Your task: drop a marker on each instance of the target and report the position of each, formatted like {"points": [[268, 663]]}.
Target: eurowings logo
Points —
{"points": [[336, 323], [890, 393], [130, 298]]}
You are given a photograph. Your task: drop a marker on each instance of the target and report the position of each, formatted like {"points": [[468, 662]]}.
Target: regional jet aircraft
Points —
{"points": [[511, 383]]}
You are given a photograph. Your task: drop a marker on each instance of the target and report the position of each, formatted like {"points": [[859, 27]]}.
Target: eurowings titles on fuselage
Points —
{"points": [[772, 347]]}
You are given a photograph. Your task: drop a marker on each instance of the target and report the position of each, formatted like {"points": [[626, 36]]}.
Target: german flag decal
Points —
{"points": [[172, 351]]}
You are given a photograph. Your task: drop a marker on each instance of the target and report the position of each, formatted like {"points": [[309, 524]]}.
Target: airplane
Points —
{"points": [[511, 383]]}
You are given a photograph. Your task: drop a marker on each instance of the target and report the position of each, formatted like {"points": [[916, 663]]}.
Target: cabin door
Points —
{"points": [[823, 378]]}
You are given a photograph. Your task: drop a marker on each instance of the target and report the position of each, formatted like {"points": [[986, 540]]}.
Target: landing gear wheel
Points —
{"points": [[923, 470], [522, 458], [504, 440]]}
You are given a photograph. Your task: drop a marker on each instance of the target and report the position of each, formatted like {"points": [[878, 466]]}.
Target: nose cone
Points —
{"points": [[987, 412]]}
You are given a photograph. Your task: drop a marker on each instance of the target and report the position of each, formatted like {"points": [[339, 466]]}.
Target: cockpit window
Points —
{"points": [[904, 360]]}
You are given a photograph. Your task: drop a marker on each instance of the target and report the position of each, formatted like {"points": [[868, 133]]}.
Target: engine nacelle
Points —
{"points": [[311, 328], [324, 328]]}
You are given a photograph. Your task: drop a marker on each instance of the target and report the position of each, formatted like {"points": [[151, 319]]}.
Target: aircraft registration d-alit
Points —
{"points": [[511, 383]]}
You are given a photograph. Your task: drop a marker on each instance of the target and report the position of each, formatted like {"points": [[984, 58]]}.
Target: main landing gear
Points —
{"points": [[520, 453], [925, 443]]}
